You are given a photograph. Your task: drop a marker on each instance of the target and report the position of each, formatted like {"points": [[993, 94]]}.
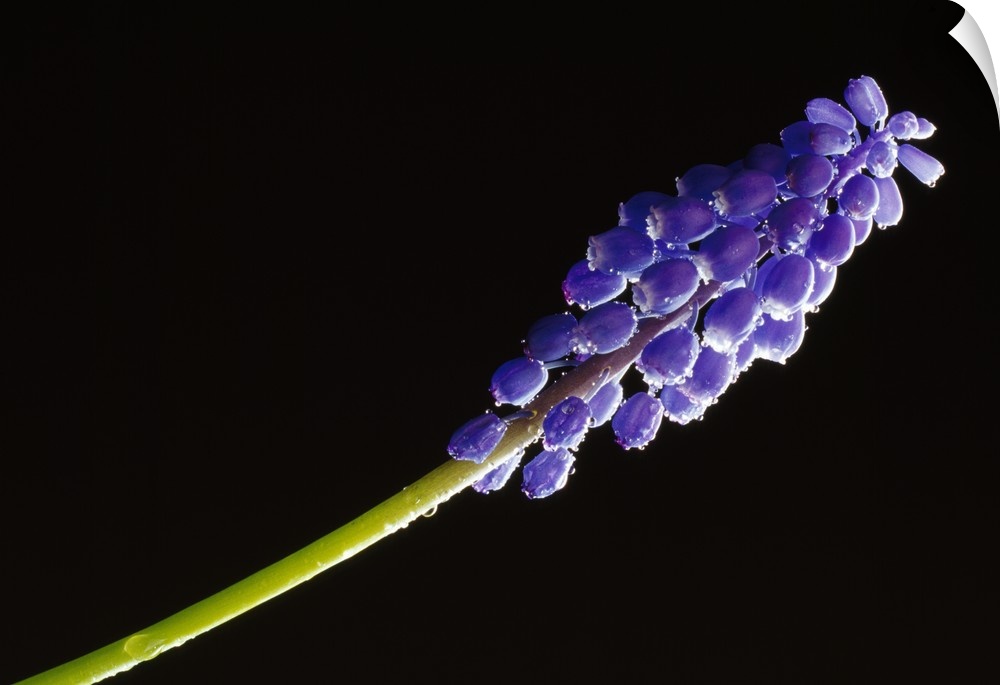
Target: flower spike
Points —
{"points": [[690, 290]]}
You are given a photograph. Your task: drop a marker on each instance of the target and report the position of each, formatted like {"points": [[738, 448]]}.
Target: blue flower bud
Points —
{"points": [[862, 229], [477, 438], [787, 286], [620, 251], [809, 175], [682, 220], [925, 129], [634, 212], [551, 337], [665, 286], [588, 288], [497, 478], [637, 420], [776, 340], [927, 169], [605, 328], [903, 125], [826, 278], [605, 402], [770, 158], [833, 242], [865, 99], [518, 381], [547, 473], [727, 253], [825, 139], [700, 181], [881, 161], [712, 373], [566, 424], [790, 224], [890, 203], [795, 138], [747, 192], [679, 408], [827, 111], [669, 357], [731, 319], [745, 354], [859, 197]]}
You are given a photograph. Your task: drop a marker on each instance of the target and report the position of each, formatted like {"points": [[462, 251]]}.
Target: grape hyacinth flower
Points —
{"points": [[689, 290], [721, 274]]}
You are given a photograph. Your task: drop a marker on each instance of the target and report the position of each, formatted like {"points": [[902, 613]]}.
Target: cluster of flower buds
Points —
{"points": [[767, 232]]}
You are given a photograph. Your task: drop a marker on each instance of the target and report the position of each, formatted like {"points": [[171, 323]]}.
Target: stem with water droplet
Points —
{"points": [[397, 512]]}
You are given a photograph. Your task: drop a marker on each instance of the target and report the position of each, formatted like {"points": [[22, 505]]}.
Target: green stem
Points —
{"points": [[395, 513]]}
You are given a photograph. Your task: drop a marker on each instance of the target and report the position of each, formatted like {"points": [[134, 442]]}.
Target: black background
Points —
{"points": [[259, 268]]}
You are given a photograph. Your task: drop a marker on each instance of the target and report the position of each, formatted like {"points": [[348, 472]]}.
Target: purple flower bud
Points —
{"points": [[862, 229], [776, 340], [679, 408], [903, 125], [731, 319], [669, 357], [498, 477], [620, 251], [787, 286], [727, 253], [518, 381], [712, 373], [890, 203], [925, 129], [795, 138], [551, 337], [865, 99], [745, 354], [637, 420], [547, 473], [809, 175], [826, 111], [605, 402], [881, 161], [700, 181], [790, 224], [748, 191], [665, 286], [605, 328], [588, 288], [927, 169], [833, 242], [826, 278], [634, 212], [770, 158], [859, 197], [566, 424], [682, 220], [825, 139], [477, 438]]}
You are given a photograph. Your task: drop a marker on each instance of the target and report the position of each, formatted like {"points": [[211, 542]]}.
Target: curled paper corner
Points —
{"points": [[969, 34]]}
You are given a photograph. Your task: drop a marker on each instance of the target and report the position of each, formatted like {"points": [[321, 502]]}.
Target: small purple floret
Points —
{"points": [[859, 197], [927, 169], [890, 203], [682, 220], [588, 288], [605, 328], [547, 473], [827, 111], [497, 478], [551, 337], [477, 438], [566, 424], [865, 99], [605, 402], [637, 420], [669, 357], [620, 251], [787, 286], [727, 253], [518, 380], [665, 286], [701, 180], [731, 319], [748, 191]]}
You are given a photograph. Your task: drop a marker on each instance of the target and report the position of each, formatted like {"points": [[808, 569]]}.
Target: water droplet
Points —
{"points": [[430, 512], [143, 647]]}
